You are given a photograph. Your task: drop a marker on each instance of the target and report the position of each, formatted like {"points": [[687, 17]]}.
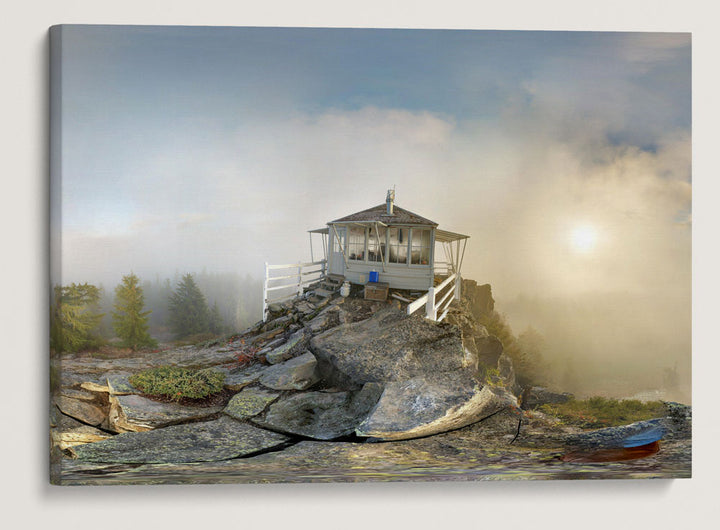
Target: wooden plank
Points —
{"points": [[295, 265], [417, 304], [401, 298], [283, 277], [440, 305], [281, 299], [289, 286]]}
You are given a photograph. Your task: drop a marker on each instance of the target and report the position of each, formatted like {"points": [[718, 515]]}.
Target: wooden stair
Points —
{"points": [[329, 285]]}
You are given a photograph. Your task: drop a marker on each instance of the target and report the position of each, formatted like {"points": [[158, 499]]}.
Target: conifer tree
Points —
{"points": [[130, 322], [216, 323], [189, 314], [74, 317]]}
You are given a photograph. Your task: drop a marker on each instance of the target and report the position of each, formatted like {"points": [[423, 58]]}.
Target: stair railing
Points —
{"points": [[289, 281], [433, 308]]}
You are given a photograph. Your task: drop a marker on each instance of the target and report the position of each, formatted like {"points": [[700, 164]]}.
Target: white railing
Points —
{"points": [[443, 268], [432, 309], [294, 278]]}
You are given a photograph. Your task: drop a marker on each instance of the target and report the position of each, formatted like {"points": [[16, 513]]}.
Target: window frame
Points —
{"points": [[406, 244], [410, 232], [429, 247], [364, 244]]}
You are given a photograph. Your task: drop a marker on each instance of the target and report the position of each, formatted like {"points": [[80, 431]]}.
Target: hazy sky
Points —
{"points": [[565, 156]]}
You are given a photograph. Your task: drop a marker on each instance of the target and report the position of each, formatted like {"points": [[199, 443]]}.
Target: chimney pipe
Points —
{"points": [[389, 201]]}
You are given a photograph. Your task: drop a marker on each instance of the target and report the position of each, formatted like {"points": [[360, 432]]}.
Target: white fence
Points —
{"points": [[443, 268], [441, 293], [289, 282]]}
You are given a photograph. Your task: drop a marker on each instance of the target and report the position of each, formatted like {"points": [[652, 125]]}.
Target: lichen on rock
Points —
{"points": [[248, 403]]}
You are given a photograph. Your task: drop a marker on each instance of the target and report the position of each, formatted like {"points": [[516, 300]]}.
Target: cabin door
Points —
{"points": [[337, 260]]}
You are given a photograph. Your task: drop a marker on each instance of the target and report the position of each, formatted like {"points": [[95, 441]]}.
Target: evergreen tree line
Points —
{"points": [[84, 316]]}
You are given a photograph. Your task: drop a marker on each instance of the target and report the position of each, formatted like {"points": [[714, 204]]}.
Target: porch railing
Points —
{"points": [[444, 296], [443, 268], [289, 281]]}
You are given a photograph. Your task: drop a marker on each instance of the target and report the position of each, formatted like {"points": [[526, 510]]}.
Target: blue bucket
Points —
{"points": [[374, 276]]}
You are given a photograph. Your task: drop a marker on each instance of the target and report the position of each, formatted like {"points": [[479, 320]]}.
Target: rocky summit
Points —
{"points": [[306, 391]]}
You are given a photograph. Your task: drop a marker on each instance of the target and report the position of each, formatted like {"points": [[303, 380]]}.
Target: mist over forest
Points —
{"points": [[611, 344], [598, 343], [238, 298]]}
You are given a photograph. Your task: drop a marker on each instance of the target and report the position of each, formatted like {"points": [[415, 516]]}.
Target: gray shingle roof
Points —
{"points": [[379, 213]]}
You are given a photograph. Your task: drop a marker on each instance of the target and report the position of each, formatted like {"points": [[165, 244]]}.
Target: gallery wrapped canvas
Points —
{"points": [[343, 255]]}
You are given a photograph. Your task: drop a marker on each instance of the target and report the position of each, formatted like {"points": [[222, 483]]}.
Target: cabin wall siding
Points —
{"points": [[397, 275]]}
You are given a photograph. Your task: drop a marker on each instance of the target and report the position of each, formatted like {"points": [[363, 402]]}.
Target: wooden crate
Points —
{"points": [[376, 291]]}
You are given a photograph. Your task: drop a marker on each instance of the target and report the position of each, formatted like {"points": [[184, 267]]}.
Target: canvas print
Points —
{"points": [[342, 255]]}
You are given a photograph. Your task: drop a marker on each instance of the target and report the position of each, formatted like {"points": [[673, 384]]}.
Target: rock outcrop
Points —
{"points": [[428, 376], [318, 375], [299, 373], [133, 413], [237, 378], [296, 344], [77, 436], [81, 409], [248, 403], [325, 370], [479, 297], [221, 439], [321, 415], [429, 405], [535, 396], [389, 346]]}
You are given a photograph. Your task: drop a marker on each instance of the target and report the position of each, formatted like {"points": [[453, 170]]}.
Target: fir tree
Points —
{"points": [[74, 317], [130, 322], [189, 314], [217, 326]]}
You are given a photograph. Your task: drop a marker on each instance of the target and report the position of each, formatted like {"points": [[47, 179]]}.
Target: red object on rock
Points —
{"points": [[612, 455]]}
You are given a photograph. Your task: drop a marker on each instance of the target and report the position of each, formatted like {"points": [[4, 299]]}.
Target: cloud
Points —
{"points": [[256, 191]]}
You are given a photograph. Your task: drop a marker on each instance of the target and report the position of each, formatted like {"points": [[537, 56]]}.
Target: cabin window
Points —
{"points": [[376, 247], [420, 246], [356, 243], [398, 245]]}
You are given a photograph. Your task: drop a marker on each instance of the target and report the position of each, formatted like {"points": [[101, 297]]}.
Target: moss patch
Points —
{"points": [[176, 383], [597, 412]]}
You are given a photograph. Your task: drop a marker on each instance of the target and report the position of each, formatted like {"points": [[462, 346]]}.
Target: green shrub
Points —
{"points": [[597, 412], [177, 383]]}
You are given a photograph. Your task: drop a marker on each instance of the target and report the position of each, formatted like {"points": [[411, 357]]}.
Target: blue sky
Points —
{"points": [[188, 148]]}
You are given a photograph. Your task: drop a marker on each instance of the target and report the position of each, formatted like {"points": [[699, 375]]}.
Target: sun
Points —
{"points": [[583, 238]]}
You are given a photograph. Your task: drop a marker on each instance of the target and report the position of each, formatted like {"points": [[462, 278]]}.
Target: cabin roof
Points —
{"points": [[379, 213]]}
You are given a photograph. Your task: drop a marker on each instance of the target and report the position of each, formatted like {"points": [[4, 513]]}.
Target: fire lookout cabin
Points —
{"points": [[390, 246]]}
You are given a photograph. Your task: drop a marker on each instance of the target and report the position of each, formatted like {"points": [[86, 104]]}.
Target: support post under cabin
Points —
{"points": [[430, 311]]}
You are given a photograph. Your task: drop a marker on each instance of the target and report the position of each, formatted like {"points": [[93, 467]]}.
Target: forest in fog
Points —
{"points": [[223, 303]]}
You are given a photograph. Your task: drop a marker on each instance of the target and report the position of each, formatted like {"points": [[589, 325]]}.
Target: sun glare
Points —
{"points": [[583, 239]]}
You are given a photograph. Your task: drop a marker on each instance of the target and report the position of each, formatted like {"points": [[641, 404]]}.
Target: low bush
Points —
{"points": [[177, 383], [597, 412]]}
